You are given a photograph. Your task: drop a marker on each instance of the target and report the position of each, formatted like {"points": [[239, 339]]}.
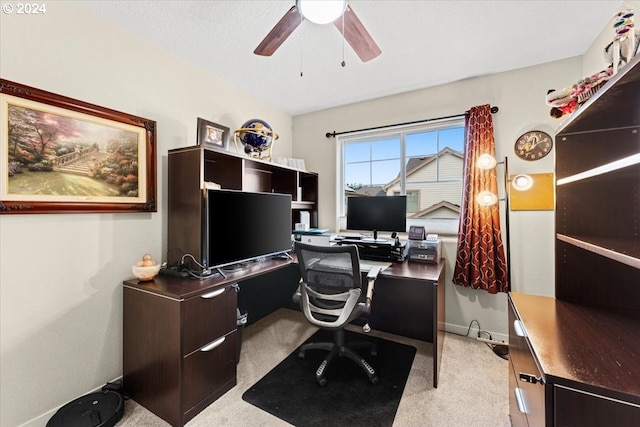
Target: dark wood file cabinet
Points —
{"points": [[179, 345]]}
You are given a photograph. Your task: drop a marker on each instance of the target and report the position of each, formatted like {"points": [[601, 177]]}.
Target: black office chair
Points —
{"points": [[331, 296]]}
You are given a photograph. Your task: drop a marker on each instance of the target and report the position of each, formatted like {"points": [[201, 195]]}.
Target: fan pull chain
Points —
{"points": [[301, 44], [343, 62]]}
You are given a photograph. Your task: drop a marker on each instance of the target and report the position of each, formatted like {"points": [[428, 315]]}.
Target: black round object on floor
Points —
{"points": [[501, 351], [100, 409]]}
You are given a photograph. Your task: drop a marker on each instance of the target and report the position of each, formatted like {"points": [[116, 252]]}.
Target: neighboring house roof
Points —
{"points": [[436, 206], [414, 164], [368, 191]]}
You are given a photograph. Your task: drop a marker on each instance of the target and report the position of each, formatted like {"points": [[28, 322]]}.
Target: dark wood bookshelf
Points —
{"points": [[192, 169], [575, 357]]}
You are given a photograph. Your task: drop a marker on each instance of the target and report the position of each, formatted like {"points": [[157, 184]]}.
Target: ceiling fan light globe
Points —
{"points": [[321, 11]]}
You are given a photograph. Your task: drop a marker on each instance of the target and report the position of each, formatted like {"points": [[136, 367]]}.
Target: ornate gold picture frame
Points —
{"points": [[61, 155]]}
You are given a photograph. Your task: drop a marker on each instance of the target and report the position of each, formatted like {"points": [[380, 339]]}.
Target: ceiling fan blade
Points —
{"points": [[357, 36], [278, 34]]}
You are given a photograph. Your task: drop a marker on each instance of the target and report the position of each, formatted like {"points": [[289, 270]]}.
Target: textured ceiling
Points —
{"points": [[424, 43]]}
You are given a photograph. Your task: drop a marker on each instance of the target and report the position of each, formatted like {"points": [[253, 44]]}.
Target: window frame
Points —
{"points": [[442, 226]]}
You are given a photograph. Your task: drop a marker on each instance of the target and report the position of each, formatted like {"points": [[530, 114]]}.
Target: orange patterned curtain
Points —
{"points": [[480, 258]]}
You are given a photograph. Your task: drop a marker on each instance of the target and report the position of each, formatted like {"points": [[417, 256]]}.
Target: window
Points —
{"points": [[413, 201], [425, 163]]}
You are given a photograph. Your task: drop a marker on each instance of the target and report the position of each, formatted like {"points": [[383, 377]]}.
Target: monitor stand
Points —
{"points": [[234, 267], [219, 270], [375, 238]]}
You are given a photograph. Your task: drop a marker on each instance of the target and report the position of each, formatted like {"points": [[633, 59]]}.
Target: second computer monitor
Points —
{"points": [[381, 213]]}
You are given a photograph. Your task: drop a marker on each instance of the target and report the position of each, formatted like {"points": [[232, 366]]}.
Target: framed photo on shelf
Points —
{"points": [[62, 155], [213, 135]]}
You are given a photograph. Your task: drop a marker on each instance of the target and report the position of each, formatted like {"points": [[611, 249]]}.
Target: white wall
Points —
{"points": [[520, 95], [61, 275]]}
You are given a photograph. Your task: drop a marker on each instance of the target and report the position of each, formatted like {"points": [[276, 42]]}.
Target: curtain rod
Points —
{"points": [[333, 134]]}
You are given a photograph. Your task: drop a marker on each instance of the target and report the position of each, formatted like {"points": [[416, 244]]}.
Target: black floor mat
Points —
{"points": [[290, 392]]}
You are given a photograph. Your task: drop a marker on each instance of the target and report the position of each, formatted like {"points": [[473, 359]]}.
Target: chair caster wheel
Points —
{"points": [[301, 355], [374, 353], [321, 382], [374, 380]]}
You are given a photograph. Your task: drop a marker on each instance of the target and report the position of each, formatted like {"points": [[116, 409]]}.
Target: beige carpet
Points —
{"points": [[473, 388]]}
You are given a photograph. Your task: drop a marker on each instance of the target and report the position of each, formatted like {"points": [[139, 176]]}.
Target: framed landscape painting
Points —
{"points": [[61, 155]]}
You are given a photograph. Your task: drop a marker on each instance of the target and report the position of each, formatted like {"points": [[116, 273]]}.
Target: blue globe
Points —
{"points": [[256, 135]]}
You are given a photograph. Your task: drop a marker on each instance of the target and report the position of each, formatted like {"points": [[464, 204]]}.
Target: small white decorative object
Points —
{"points": [[146, 268], [625, 43]]}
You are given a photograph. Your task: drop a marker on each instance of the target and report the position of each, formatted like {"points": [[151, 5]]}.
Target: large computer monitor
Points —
{"points": [[244, 226], [381, 213]]}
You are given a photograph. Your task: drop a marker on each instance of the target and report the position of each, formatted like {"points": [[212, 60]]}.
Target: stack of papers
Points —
{"points": [[311, 231]]}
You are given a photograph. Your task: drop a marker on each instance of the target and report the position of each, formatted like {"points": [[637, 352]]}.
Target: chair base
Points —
{"points": [[340, 349]]}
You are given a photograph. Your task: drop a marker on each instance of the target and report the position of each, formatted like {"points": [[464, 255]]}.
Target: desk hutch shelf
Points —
{"points": [[575, 358], [194, 169]]}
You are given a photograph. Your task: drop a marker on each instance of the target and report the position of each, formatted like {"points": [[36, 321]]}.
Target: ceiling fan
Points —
{"points": [[350, 26]]}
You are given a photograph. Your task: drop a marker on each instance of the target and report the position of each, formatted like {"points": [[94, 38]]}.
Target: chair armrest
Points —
{"points": [[296, 298], [372, 275]]}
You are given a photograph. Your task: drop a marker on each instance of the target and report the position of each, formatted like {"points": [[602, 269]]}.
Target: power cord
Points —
{"points": [[470, 325], [202, 273], [500, 350]]}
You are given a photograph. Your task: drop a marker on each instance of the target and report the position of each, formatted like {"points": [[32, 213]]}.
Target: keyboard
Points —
{"points": [[348, 238]]}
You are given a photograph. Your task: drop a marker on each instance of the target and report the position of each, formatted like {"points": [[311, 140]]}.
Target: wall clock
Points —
{"points": [[533, 145]]}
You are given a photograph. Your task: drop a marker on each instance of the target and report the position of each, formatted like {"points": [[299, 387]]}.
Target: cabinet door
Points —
{"points": [[207, 317], [398, 307], [580, 409], [526, 374]]}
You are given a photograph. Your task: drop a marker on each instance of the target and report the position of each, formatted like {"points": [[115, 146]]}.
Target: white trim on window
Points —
{"points": [[447, 226]]}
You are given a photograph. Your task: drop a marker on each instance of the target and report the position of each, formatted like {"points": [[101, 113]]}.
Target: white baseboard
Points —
{"points": [[42, 420]]}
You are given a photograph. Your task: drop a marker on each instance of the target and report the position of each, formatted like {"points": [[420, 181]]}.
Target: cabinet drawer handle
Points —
{"points": [[531, 379], [519, 328], [214, 344], [519, 400], [213, 294]]}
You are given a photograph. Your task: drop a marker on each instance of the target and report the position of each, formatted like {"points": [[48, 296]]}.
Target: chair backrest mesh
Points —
{"points": [[330, 269]]}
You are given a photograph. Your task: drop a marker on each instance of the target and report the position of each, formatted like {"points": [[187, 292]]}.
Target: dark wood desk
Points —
{"points": [[409, 301], [179, 335]]}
